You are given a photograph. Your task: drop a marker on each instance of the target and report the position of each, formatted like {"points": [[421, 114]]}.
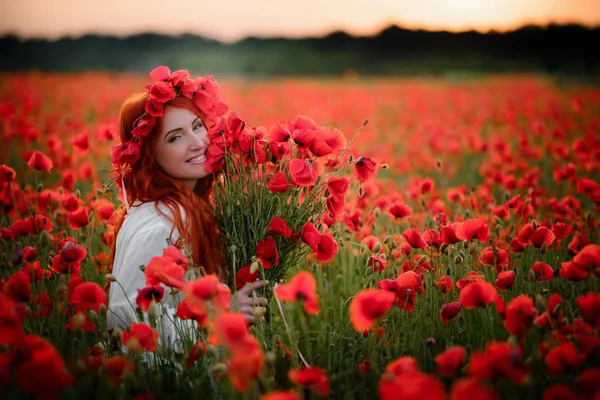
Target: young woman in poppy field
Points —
{"points": [[164, 172]]}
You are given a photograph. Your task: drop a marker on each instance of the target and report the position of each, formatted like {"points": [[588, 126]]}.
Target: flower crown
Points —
{"points": [[203, 91]]}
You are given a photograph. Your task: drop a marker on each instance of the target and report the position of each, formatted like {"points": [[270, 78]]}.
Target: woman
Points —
{"points": [[166, 184]]}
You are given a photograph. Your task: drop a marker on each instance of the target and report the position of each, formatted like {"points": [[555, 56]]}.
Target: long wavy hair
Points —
{"points": [[147, 182]]}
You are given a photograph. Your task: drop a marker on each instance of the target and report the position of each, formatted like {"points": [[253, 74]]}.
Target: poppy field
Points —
{"points": [[467, 265]]}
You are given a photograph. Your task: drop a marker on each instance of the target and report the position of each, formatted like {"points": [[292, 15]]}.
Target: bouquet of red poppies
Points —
{"points": [[282, 191]]}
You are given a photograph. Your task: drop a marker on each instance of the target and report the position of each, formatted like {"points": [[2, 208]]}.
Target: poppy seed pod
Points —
{"points": [[110, 277]]}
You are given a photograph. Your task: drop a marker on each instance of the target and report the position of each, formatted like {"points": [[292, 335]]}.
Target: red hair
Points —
{"points": [[146, 182]]}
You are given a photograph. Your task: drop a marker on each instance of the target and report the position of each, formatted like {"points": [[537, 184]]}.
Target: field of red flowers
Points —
{"points": [[468, 268]]}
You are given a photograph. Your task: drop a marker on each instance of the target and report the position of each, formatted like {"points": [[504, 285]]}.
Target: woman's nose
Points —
{"points": [[199, 142]]}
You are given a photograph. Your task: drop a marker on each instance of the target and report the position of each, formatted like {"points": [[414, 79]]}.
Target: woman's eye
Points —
{"points": [[198, 126], [173, 138]]}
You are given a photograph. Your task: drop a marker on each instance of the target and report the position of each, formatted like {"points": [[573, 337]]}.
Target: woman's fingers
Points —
{"points": [[253, 286]]}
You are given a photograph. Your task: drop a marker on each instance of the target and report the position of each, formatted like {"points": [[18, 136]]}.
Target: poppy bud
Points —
{"points": [[377, 247], [534, 224], [258, 312], [387, 239], [93, 315], [531, 275], [255, 265], [512, 339], [173, 291], [110, 277], [444, 247], [78, 321], [458, 259], [384, 166], [546, 291], [218, 371], [498, 220], [377, 211], [102, 310], [423, 203], [497, 228], [270, 357], [468, 213], [350, 159], [50, 260], [393, 244], [78, 193], [438, 163], [430, 342], [361, 192], [544, 248], [422, 260], [40, 187], [540, 302]]}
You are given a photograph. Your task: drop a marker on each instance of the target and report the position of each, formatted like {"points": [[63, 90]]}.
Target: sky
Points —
{"points": [[231, 20]]}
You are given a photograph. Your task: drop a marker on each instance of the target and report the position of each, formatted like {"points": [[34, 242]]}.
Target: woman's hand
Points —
{"points": [[246, 302]]}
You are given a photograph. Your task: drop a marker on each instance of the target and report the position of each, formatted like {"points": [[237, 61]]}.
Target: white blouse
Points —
{"points": [[144, 234]]}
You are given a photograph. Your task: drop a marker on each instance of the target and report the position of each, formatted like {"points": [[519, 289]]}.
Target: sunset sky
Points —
{"points": [[230, 20]]}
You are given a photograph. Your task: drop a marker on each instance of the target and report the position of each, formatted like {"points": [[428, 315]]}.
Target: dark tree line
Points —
{"points": [[555, 48]]}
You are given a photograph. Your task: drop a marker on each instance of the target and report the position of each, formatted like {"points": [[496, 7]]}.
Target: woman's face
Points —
{"points": [[181, 145]]}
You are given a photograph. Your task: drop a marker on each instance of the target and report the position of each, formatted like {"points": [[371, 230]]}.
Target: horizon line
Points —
{"points": [[321, 33]]}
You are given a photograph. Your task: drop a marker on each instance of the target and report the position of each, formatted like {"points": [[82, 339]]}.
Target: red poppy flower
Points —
{"points": [[266, 252], [207, 289], [301, 287], [327, 248], [365, 169], [79, 218], [505, 280], [312, 377], [18, 287], [448, 362], [589, 306], [541, 236], [470, 388], [578, 242], [572, 272], [118, 368], [477, 294], [140, 337], [279, 183], [378, 263], [402, 365], [410, 386], [11, 321], [199, 314], [368, 306], [474, 228], [40, 162], [214, 158], [148, 294], [498, 360], [304, 138], [448, 234], [589, 382], [469, 278], [336, 205], [399, 210], [588, 258], [88, 296], [588, 187], [7, 174], [426, 186], [40, 369], [414, 239], [162, 269], [561, 230], [198, 349], [278, 226], [563, 358], [519, 315], [302, 173], [433, 238], [81, 142], [444, 284], [244, 276], [541, 272], [45, 304], [493, 256], [311, 236], [449, 311], [280, 395], [337, 187]]}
